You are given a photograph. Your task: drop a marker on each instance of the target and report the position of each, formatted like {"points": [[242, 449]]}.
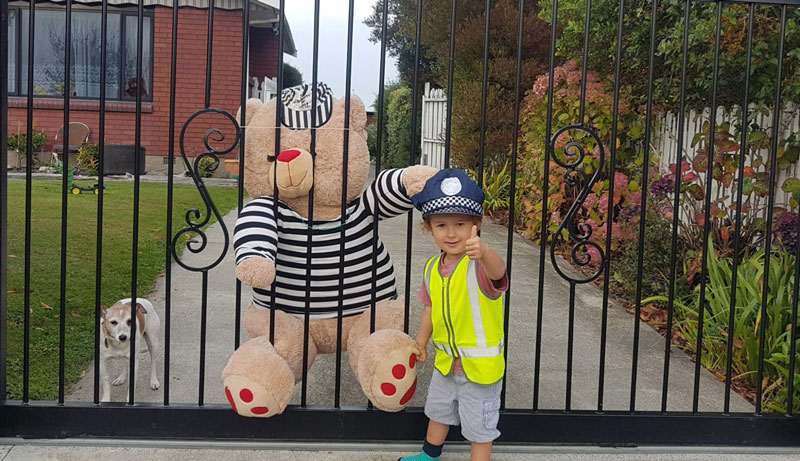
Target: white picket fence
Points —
{"points": [[434, 119], [263, 89], [665, 143]]}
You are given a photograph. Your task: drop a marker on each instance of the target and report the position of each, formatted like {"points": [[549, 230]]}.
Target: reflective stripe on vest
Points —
{"points": [[466, 323]]}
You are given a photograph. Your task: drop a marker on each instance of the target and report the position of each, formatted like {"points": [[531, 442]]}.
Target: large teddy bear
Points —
{"points": [[272, 242]]}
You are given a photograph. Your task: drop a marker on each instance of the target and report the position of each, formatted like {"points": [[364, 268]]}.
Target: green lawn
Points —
{"points": [[81, 256]]}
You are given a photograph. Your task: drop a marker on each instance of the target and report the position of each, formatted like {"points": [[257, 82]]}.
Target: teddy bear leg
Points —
{"points": [[259, 377], [256, 321], [384, 362]]}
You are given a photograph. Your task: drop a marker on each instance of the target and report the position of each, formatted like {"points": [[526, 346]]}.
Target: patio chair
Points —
{"points": [[78, 135]]}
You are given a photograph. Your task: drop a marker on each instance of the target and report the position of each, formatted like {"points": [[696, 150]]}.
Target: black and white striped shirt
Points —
{"points": [[286, 244]]}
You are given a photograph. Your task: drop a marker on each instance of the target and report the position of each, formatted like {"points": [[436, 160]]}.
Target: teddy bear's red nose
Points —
{"points": [[288, 155]]}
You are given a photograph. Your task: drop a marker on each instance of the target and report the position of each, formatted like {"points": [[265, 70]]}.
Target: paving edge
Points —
{"points": [[389, 447]]}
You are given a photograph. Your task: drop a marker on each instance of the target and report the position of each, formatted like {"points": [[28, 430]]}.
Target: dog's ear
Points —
{"points": [[139, 307], [103, 309]]}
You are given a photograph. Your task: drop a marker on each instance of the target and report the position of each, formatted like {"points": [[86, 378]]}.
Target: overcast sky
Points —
{"points": [[332, 66]]}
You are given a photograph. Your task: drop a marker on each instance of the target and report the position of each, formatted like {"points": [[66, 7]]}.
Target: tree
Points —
{"points": [[468, 64], [669, 49], [291, 76]]}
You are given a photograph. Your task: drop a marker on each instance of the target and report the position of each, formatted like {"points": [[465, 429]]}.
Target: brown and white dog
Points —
{"points": [[115, 324]]}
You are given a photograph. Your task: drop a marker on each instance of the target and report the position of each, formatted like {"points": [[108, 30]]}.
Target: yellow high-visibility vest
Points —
{"points": [[466, 322]]}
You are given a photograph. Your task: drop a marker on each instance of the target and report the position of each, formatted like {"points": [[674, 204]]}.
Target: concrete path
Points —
{"points": [[186, 292], [81, 449]]}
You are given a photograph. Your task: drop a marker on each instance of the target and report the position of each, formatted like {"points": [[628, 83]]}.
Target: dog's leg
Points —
{"points": [[105, 383], [135, 374], [123, 375], [153, 347]]}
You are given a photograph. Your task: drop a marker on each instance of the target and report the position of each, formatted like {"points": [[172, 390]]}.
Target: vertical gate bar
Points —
{"points": [[451, 62], [65, 132], [378, 154], [275, 193], [26, 312], [209, 51], [545, 215], [771, 203], [570, 344], [707, 210], [793, 344], [237, 310], [343, 230], [585, 66], [98, 276], [513, 191], [643, 215], [204, 299], [411, 161], [607, 276], [136, 167], [173, 79], [738, 223], [675, 214], [3, 198], [487, 10], [203, 320], [306, 316]]}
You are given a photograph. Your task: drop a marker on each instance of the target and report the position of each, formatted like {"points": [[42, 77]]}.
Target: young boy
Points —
{"points": [[462, 292]]}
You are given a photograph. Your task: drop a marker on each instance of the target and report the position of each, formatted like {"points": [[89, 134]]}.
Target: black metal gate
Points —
{"points": [[569, 146]]}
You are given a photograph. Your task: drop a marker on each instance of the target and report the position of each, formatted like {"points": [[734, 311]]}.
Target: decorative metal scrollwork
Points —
{"points": [[579, 233], [195, 220]]}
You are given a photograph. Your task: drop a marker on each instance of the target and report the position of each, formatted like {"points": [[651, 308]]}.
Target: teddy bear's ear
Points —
{"points": [[253, 106], [358, 114]]}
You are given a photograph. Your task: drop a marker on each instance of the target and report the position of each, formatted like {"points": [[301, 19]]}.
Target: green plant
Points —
{"points": [[747, 318], [496, 187], [206, 167], [398, 128], [19, 142], [561, 193], [656, 253], [87, 157]]}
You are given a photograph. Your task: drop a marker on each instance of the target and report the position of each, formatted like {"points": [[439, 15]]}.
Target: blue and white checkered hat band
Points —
{"points": [[452, 205]]}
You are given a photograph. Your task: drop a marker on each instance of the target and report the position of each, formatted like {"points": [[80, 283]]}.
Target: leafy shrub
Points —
{"points": [[206, 167], [19, 142], [561, 192], [747, 318], [87, 158], [656, 257], [398, 127], [496, 187]]}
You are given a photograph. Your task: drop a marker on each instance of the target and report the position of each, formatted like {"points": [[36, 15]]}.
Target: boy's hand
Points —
{"points": [[422, 352], [476, 249]]}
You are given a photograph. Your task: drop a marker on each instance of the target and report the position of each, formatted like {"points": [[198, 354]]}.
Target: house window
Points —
{"points": [[85, 54]]}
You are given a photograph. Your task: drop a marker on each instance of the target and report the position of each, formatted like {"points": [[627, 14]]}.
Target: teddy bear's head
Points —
{"points": [[297, 165]]}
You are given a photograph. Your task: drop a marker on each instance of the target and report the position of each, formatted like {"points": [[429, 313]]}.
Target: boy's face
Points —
{"points": [[450, 232]]}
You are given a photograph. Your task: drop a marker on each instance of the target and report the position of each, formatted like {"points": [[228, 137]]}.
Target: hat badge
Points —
{"points": [[450, 186]]}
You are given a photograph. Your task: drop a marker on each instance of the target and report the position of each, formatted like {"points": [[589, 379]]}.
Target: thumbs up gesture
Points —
{"points": [[476, 249]]}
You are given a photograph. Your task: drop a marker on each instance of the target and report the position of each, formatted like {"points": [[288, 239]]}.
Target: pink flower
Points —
{"points": [[603, 204]]}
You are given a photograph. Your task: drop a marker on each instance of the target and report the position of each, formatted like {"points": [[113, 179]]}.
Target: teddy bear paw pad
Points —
{"points": [[395, 380], [249, 399]]}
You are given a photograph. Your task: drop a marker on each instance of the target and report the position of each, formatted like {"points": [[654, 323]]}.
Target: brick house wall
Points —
{"points": [[120, 117]]}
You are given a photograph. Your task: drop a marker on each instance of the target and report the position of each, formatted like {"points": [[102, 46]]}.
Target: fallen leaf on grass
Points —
{"points": [[12, 292], [75, 314], [45, 306], [12, 256]]}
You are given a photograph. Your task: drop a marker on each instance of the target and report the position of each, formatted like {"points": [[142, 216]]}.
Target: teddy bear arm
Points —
{"points": [[256, 272], [415, 177]]}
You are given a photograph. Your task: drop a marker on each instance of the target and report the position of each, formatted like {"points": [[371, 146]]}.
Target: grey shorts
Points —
{"points": [[454, 400]]}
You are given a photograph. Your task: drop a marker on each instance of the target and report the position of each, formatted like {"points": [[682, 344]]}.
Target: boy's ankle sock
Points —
{"points": [[429, 452], [434, 451]]}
